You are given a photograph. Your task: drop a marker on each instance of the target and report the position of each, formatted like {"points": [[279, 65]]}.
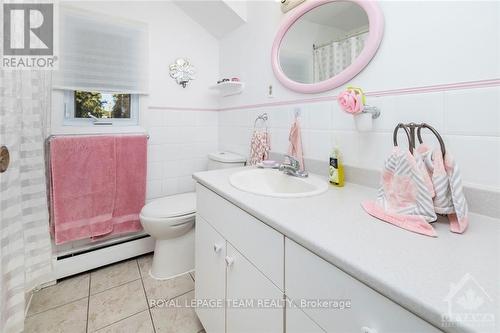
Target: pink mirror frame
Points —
{"points": [[376, 27]]}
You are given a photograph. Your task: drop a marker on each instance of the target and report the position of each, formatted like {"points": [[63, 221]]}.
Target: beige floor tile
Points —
{"points": [[163, 289], [145, 263], [176, 319], [114, 275], [71, 317], [116, 304], [157, 290], [65, 291], [138, 323]]}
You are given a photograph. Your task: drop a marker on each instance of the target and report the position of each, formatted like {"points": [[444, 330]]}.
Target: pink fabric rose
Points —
{"points": [[350, 101]]}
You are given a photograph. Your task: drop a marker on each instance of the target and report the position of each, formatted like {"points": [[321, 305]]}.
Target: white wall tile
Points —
{"points": [[154, 153], [157, 135], [373, 149], [319, 116], [207, 118], [348, 143], [170, 186], [153, 117], [317, 144], [186, 184], [179, 118], [280, 117], [341, 120], [473, 112], [155, 170], [478, 158], [279, 140], [418, 108], [153, 189]]}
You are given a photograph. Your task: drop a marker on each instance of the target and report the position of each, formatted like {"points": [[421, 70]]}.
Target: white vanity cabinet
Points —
{"points": [[298, 322], [239, 263], [240, 260], [309, 277]]}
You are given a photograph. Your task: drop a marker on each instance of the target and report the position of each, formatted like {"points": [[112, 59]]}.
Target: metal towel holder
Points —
{"points": [[264, 117], [411, 129]]}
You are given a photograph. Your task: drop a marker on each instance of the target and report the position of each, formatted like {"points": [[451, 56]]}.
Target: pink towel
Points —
{"points": [[295, 147], [448, 196], [260, 146], [89, 185], [131, 158], [404, 198]]}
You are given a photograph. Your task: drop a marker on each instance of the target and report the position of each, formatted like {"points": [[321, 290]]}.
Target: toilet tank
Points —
{"points": [[224, 160]]}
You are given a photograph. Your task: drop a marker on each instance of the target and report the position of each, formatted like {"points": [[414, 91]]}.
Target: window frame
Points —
{"points": [[71, 120]]}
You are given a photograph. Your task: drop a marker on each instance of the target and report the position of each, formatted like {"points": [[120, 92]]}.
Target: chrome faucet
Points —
{"points": [[292, 168]]}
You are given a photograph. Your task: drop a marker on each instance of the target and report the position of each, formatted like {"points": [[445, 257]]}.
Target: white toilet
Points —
{"points": [[170, 221]]}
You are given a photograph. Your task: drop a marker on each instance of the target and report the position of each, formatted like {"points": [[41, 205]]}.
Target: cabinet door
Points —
{"points": [[298, 322], [247, 291], [210, 286], [309, 277]]}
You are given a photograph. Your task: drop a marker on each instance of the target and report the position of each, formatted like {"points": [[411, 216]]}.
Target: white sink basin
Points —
{"points": [[274, 183]]}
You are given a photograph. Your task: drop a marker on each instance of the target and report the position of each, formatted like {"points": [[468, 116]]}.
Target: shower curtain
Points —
{"points": [[25, 246], [334, 57]]}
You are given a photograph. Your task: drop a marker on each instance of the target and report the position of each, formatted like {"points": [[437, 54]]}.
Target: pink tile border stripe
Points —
{"points": [[391, 92]]}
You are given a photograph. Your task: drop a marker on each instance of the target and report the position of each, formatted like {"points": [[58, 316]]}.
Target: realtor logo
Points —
{"points": [[28, 35], [468, 302]]}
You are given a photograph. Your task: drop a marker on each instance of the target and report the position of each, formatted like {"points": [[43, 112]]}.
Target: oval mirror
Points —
{"points": [[323, 44]]}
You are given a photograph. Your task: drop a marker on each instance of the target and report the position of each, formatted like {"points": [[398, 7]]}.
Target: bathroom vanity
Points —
{"points": [[320, 264]]}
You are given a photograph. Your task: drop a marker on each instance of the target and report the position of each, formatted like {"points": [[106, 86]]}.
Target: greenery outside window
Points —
{"points": [[91, 107]]}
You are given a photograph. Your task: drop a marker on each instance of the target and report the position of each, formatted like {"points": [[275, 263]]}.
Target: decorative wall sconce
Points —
{"points": [[182, 71]]}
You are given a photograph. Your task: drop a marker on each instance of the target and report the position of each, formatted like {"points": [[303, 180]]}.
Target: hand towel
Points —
{"points": [[295, 147], [449, 198], [83, 186], [97, 185], [131, 162], [260, 146], [403, 198]]}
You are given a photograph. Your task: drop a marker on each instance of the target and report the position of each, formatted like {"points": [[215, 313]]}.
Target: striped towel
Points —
{"points": [[448, 198], [405, 196]]}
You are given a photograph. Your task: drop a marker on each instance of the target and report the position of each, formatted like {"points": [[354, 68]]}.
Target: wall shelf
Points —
{"points": [[229, 88]]}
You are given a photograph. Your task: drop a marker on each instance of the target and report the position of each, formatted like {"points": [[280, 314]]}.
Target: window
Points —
{"points": [[94, 107], [103, 67]]}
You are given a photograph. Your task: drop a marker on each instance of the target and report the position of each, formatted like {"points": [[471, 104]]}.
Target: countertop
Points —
{"points": [[413, 270]]}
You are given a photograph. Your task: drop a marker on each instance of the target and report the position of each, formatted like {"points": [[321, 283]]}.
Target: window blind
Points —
{"points": [[101, 53]]}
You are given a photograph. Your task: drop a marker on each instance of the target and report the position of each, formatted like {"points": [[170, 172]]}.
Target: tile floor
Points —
{"points": [[116, 298]]}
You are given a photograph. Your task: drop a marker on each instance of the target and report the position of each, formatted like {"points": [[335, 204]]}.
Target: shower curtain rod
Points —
{"points": [[338, 40]]}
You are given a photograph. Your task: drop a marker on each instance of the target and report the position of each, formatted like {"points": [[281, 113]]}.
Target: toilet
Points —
{"points": [[170, 221]]}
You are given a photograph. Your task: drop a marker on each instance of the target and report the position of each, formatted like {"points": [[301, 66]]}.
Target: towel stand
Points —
{"points": [[411, 129]]}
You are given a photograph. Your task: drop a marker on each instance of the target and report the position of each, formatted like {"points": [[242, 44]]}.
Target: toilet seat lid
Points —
{"points": [[171, 206]]}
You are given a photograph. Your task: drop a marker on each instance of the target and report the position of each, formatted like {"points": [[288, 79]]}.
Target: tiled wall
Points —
{"points": [[178, 146], [469, 121]]}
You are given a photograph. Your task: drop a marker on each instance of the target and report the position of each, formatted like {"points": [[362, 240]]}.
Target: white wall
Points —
{"points": [[179, 140], [425, 43]]}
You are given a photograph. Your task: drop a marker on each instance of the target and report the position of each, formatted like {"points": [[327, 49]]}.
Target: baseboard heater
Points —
{"points": [[77, 261]]}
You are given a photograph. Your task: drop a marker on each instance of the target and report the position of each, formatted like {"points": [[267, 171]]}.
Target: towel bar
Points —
{"points": [[50, 137]]}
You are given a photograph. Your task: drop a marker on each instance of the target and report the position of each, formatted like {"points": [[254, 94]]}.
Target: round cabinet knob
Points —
{"points": [[229, 261], [217, 248], [365, 329]]}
